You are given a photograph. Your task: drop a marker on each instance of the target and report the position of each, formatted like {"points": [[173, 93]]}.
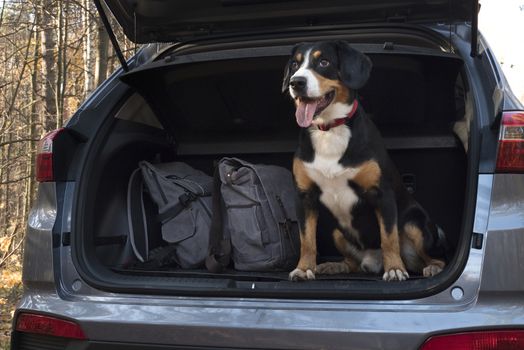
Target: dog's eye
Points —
{"points": [[294, 65], [323, 63]]}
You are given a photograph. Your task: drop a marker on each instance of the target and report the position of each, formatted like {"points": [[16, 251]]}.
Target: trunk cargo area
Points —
{"points": [[212, 105]]}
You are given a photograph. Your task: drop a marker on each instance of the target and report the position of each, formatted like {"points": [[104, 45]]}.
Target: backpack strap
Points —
{"points": [[183, 202], [136, 216], [219, 253]]}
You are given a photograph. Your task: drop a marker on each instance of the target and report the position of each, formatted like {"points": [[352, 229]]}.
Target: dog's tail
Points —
{"points": [[435, 242], [443, 244]]}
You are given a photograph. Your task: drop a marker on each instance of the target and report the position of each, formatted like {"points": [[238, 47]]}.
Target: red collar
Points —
{"points": [[340, 121]]}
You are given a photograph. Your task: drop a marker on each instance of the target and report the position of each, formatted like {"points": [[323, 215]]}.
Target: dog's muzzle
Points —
{"points": [[299, 85]]}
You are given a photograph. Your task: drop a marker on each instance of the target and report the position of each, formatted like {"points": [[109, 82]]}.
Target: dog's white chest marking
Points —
{"points": [[330, 176]]}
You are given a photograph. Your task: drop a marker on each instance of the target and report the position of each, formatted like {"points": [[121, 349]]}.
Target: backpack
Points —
{"points": [[254, 218], [183, 198]]}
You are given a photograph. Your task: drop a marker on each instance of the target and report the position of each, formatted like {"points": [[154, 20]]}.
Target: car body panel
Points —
{"points": [[271, 324], [503, 266], [38, 246]]}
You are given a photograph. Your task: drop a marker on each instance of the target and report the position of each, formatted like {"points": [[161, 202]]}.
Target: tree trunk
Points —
{"points": [[87, 42], [59, 61], [33, 117], [62, 23], [101, 54], [49, 64]]}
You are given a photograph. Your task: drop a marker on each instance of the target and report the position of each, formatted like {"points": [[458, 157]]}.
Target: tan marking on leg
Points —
{"points": [[341, 243], [389, 242], [308, 244], [414, 234], [348, 265], [302, 179], [317, 54], [307, 264], [368, 175], [342, 246]]}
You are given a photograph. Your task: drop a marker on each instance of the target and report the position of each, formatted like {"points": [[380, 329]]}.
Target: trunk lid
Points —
{"points": [[145, 21]]}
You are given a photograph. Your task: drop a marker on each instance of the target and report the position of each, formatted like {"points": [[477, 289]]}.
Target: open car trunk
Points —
{"points": [[201, 106]]}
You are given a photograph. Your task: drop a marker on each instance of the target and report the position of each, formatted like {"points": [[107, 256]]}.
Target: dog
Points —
{"points": [[341, 163]]}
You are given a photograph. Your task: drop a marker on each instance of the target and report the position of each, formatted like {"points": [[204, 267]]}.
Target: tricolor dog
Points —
{"points": [[342, 164]]}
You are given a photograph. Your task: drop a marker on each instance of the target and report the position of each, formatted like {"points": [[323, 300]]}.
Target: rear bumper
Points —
{"points": [[269, 324]]}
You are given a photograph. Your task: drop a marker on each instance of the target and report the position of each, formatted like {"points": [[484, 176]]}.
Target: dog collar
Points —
{"points": [[340, 121]]}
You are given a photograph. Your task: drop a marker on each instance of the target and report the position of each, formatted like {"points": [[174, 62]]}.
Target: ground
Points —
{"points": [[10, 292]]}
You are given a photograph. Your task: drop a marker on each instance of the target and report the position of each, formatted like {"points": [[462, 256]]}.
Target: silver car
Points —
{"points": [[206, 84]]}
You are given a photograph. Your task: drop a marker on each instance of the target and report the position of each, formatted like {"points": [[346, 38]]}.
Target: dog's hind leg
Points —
{"points": [[336, 267], [386, 213], [348, 265], [415, 235]]}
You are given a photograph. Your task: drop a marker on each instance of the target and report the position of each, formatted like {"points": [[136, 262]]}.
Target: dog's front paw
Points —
{"points": [[395, 274], [301, 275]]}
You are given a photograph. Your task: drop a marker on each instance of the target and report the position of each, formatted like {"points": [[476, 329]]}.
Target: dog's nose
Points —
{"points": [[298, 83]]}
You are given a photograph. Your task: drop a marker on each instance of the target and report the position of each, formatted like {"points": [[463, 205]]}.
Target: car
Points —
{"points": [[206, 84]]}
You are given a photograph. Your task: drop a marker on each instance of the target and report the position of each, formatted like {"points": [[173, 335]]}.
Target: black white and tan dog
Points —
{"points": [[341, 163]]}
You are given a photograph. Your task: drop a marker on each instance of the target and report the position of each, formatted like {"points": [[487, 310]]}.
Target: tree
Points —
{"points": [[54, 53]]}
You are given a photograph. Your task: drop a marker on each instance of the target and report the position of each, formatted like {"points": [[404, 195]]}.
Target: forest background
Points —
{"points": [[54, 53]]}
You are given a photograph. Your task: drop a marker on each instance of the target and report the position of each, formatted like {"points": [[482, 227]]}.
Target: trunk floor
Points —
{"points": [[274, 276]]}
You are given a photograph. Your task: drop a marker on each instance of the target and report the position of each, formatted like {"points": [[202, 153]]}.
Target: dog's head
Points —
{"points": [[322, 78]]}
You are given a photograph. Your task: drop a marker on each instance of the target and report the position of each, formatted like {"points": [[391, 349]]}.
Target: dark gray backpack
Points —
{"points": [[254, 218], [183, 197]]}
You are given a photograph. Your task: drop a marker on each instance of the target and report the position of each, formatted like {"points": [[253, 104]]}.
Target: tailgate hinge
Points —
{"points": [[112, 36]]}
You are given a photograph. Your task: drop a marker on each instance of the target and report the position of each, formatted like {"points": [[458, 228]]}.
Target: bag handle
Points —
{"points": [[219, 253], [136, 216]]}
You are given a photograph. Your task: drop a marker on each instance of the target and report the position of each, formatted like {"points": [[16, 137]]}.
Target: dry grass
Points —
{"points": [[10, 292]]}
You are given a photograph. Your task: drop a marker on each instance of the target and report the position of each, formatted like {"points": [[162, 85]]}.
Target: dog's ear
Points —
{"points": [[285, 82], [354, 66], [287, 75]]}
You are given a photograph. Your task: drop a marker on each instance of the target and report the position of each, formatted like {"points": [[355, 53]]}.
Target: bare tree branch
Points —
{"points": [[5, 143], [14, 181]]}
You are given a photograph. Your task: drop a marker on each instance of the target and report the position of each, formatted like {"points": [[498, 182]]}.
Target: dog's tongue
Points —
{"points": [[305, 112]]}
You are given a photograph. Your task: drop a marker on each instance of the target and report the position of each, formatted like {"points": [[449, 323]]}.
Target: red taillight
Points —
{"points": [[510, 157], [484, 340], [44, 156], [40, 324]]}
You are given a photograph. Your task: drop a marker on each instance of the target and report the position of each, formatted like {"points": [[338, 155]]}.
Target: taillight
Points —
{"points": [[44, 156], [483, 340], [46, 325], [510, 156]]}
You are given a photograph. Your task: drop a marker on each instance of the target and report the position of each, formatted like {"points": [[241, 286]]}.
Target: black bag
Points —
{"points": [[183, 198]]}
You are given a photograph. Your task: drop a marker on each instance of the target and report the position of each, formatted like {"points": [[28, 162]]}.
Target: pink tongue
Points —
{"points": [[305, 112]]}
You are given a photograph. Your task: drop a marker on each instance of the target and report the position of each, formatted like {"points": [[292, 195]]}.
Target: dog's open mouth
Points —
{"points": [[309, 108]]}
